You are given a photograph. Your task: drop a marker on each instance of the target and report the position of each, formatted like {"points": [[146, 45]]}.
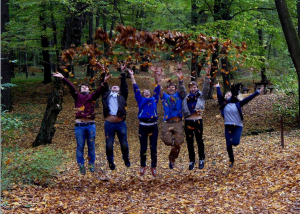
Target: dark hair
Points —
{"points": [[193, 83], [235, 90], [171, 84], [86, 84]]}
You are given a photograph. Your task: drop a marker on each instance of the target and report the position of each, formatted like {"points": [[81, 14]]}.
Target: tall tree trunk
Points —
{"points": [[194, 63], [225, 70], [6, 101], [292, 40], [214, 71], [262, 56], [298, 13], [26, 64], [45, 52], [54, 106]]}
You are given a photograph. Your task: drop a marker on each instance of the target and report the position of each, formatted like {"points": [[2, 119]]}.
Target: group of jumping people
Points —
{"points": [[178, 105]]}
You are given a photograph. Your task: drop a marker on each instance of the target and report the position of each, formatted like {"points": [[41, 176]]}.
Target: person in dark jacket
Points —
{"points": [[85, 129], [148, 128], [114, 111], [231, 110], [192, 109]]}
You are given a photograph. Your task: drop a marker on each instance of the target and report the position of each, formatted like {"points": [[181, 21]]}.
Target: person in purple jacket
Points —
{"points": [[85, 129], [147, 116], [231, 110]]}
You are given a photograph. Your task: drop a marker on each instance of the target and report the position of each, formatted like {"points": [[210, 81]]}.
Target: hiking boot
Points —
{"points": [[201, 164], [82, 169], [92, 167], [142, 171], [230, 164], [153, 170], [112, 165], [191, 165], [127, 162], [171, 164]]}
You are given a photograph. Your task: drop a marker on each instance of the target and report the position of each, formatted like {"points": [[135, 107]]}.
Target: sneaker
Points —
{"points": [[127, 162], [153, 170], [142, 171], [201, 164], [92, 167], [191, 165], [82, 169], [231, 164], [112, 165], [171, 164]]}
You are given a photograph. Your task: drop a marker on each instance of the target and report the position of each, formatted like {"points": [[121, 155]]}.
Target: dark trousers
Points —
{"points": [[233, 137], [150, 132], [194, 128]]}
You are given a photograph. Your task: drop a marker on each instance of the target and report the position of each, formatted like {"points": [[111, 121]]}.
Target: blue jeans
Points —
{"points": [[88, 134], [233, 136], [152, 133], [111, 128]]}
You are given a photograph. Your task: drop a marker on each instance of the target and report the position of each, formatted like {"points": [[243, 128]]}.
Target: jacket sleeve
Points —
{"points": [[137, 93], [249, 98], [124, 86], [73, 90], [181, 90], [206, 87], [219, 94], [156, 93], [100, 90]]}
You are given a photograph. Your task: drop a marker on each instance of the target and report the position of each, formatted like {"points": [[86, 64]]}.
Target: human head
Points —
{"points": [[84, 88], [193, 86], [146, 93], [115, 89], [171, 88]]}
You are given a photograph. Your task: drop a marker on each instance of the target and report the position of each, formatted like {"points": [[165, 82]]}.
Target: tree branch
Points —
{"points": [[242, 11]]}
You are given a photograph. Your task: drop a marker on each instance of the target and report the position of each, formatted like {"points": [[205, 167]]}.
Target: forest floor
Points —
{"points": [[264, 179]]}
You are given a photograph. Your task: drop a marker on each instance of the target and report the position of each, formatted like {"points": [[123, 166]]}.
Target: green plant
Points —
{"points": [[30, 166], [9, 124]]}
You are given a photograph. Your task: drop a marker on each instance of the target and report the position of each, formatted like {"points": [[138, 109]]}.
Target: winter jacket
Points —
{"points": [[199, 105], [173, 103], [85, 103], [147, 106], [122, 98], [238, 104]]}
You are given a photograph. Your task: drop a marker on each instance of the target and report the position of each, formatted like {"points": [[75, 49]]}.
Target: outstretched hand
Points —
{"points": [[207, 70], [217, 85], [59, 75], [130, 71], [180, 65], [123, 67], [107, 77], [261, 90]]}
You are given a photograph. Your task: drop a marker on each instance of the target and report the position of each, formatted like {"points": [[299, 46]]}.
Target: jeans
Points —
{"points": [[111, 128], [191, 128], [233, 137], [152, 133], [88, 134]]}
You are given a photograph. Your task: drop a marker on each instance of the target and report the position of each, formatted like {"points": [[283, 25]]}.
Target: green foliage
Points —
{"points": [[9, 124], [288, 85], [29, 166]]}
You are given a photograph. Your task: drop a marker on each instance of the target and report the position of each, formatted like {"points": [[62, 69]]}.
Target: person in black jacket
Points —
{"points": [[114, 111], [231, 110]]}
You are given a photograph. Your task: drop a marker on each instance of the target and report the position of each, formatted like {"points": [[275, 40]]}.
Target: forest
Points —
{"points": [[252, 44]]}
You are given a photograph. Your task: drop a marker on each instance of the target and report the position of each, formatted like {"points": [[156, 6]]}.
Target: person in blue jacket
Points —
{"points": [[231, 110], [148, 128]]}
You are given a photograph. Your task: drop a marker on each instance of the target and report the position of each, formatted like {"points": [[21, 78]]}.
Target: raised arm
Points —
{"points": [[207, 81], [131, 75], [181, 87], [249, 98], [102, 88], [157, 71], [73, 90], [219, 94], [124, 86]]}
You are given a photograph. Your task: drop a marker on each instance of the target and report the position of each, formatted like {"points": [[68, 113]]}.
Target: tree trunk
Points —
{"points": [[45, 52], [292, 40], [298, 13], [54, 106], [263, 67], [6, 101], [214, 71], [194, 62]]}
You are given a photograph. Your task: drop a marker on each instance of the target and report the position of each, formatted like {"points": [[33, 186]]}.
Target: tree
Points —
{"points": [[292, 39], [6, 100]]}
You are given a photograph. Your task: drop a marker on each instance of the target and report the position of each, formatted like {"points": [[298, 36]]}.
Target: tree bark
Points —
{"points": [[6, 101], [54, 106], [292, 40], [45, 52], [263, 67]]}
